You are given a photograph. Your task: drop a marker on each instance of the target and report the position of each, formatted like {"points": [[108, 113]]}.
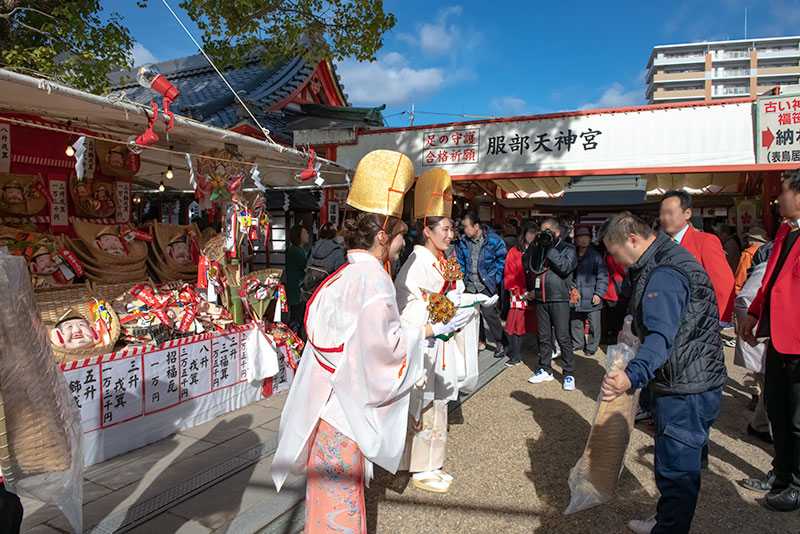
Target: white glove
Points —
{"points": [[460, 287], [454, 296], [491, 301], [458, 321]]}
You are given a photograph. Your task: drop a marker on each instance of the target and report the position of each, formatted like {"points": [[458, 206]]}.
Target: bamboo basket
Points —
{"points": [[137, 249], [53, 304]]}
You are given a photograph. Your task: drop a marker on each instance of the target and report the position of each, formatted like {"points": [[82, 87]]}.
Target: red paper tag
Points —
{"points": [[39, 187], [282, 298], [187, 318], [162, 316], [202, 272], [137, 234], [145, 295], [74, 262]]}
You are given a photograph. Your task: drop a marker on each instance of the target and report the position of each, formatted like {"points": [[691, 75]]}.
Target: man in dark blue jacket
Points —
{"points": [[676, 318], [591, 280], [482, 255]]}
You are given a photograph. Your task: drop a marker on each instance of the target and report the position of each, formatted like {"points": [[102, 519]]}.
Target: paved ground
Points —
{"points": [[511, 447]]}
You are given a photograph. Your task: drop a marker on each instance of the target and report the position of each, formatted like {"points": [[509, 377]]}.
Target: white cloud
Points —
{"points": [[437, 38], [389, 80], [510, 106], [141, 55], [615, 97]]}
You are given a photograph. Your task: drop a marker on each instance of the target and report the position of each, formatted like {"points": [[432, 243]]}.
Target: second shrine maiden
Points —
{"points": [[450, 362]]}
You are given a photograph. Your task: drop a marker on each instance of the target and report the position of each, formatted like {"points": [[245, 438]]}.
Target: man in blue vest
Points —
{"points": [[676, 318]]}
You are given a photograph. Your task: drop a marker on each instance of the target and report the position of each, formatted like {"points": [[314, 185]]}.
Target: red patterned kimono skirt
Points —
{"points": [[335, 486]]}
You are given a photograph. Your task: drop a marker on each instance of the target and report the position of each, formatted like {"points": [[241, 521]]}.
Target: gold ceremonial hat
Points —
{"points": [[382, 179], [433, 195]]}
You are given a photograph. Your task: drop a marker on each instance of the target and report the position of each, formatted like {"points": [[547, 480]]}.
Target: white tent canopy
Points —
{"points": [[119, 119]]}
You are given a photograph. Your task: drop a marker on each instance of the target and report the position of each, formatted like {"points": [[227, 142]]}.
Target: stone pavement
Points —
{"points": [[512, 445], [210, 478], [510, 448]]}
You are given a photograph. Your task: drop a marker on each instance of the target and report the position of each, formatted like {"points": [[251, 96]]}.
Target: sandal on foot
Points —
{"points": [[444, 476], [430, 482]]}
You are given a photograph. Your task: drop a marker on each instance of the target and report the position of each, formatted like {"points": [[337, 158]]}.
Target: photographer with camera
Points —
{"points": [[550, 264]]}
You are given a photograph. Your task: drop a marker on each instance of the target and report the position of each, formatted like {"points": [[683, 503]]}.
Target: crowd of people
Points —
{"points": [[380, 365]]}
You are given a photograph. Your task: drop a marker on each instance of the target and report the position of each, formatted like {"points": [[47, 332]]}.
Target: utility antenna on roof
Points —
{"points": [[745, 22]]}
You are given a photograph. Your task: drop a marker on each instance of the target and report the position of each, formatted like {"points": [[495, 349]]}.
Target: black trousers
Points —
{"points": [[10, 512], [578, 337], [490, 316], [554, 316], [613, 318], [782, 399], [297, 313]]}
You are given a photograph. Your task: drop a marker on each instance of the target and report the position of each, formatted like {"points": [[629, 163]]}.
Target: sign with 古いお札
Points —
{"points": [[778, 129]]}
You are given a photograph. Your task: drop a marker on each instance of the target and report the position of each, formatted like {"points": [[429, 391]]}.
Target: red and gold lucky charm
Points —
{"points": [[451, 269], [440, 308]]}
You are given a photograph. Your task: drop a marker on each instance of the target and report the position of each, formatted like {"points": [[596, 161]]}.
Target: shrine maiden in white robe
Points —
{"points": [[450, 366], [354, 373]]}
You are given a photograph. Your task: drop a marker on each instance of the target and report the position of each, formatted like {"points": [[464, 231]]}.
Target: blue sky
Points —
{"points": [[502, 58]]}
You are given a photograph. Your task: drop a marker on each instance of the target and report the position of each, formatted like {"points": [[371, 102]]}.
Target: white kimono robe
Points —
{"points": [[354, 372], [450, 366]]}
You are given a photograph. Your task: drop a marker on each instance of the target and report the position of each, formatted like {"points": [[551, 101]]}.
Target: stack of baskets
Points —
{"points": [[173, 251], [54, 302], [101, 266]]}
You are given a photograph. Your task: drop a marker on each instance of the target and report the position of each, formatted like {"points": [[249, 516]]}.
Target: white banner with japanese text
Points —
{"points": [[131, 398], [123, 201], [5, 147], [660, 138]]}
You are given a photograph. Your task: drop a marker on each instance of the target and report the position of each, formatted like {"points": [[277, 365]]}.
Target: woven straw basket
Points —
{"points": [[137, 249], [53, 303]]}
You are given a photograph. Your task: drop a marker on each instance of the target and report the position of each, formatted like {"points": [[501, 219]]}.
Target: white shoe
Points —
{"points": [[642, 527], [569, 383], [556, 354], [541, 376]]}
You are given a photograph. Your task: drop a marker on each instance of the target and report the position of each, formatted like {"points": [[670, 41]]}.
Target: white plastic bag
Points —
{"points": [[43, 425], [594, 478], [262, 357]]}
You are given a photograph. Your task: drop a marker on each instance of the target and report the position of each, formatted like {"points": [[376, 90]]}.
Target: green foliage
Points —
{"points": [[69, 40], [75, 42]]}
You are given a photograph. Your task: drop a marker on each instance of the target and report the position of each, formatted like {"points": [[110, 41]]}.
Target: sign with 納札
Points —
{"points": [[778, 129]]}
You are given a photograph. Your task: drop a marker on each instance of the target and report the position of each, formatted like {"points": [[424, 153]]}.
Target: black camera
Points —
{"points": [[546, 239]]}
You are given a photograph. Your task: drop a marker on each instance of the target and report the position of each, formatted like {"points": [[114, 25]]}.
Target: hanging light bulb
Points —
{"points": [[70, 151], [169, 174], [148, 76], [161, 186]]}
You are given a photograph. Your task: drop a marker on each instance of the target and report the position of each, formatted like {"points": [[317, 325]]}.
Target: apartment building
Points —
{"points": [[721, 69]]}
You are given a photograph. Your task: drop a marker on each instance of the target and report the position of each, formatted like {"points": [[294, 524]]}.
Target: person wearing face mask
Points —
{"points": [[451, 363], [348, 405]]}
